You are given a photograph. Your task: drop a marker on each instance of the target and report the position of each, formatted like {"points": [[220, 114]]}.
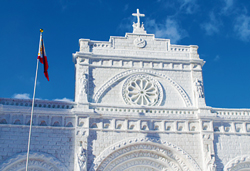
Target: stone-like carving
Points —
{"points": [[199, 88], [83, 87], [142, 90], [84, 83], [211, 166], [137, 27], [37, 161], [158, 154], [208, 149], [137, 158], [158, 146], [81, 156], [238, 163], [139, 42], [84, 45], [142, 168], [121, 75], [136, 164]]}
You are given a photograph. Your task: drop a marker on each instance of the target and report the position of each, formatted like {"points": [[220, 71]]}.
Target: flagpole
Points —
{"points": [[32, 109]]}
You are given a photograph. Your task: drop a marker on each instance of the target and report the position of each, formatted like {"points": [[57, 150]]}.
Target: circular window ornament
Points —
{"points": [[139, 42], [142, 90]]}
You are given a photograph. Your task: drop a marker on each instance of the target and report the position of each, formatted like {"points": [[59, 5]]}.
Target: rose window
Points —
{"points": [[142, 90]]}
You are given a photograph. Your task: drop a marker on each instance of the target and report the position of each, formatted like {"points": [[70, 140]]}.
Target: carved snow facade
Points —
{"points": [[139, 105]]}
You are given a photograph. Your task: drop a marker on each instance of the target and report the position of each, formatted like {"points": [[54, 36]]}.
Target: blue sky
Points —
{"points": [[220, 28]]}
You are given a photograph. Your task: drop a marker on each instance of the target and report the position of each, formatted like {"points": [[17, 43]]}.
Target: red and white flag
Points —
{"points": [[42, 56]]}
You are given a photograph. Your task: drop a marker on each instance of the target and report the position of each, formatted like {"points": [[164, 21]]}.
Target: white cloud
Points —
{"points": [[169, 29], [180, 6], [217, 57], [188, 6], [21, 96], [242, 27], [212, 26], [27, 96], [126, 24], [64, 100], [228, 6], [63, 4], [125, 7]]}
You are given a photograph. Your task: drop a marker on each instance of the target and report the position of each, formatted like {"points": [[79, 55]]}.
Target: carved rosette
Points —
{"points": [[142, 90], [124, 74], [139, 42]]}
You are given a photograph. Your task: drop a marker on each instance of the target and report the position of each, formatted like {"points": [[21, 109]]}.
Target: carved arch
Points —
{"points": [[124, 74], [162, 155], [238, 163], [37, 161]]}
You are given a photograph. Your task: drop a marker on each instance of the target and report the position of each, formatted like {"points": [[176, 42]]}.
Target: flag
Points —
{"points": [[42, 55]]}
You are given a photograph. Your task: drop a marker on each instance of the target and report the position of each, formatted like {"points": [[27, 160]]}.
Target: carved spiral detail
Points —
{"points": [[142, 90]]}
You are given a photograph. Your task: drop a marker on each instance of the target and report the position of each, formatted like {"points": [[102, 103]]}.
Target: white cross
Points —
{"points": [[138, 17]]}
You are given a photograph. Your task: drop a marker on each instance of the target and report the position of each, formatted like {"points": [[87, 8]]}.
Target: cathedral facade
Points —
{"points": [[139, 106]]}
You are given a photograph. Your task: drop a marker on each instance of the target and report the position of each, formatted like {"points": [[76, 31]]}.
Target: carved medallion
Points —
{"points": [[142, 90], [139, 42]]}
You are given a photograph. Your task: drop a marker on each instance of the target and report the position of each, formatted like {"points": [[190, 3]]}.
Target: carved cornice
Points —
{"points": [[121, 75], [38, 103], [232, 113]]}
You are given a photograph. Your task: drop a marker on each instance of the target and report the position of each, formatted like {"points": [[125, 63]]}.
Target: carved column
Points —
{"points": [[82, 81], [197, 79], [207, 144], [81, 147]]}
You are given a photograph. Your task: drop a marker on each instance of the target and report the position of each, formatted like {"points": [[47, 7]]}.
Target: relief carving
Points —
{"points": [[142, 90], [238, 163], [83, 87], [121, 75], [37, 161], [199, 88], [81, 156], [140, 43], [130, 146], [211, 166], [208, 149]]}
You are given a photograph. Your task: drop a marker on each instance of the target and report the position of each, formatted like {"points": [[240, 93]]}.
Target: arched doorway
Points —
{"points": [[240, 163], [144, 154], [37, 162]]}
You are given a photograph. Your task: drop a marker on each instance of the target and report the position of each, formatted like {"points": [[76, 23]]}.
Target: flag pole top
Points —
{"points": [[41, 30]]}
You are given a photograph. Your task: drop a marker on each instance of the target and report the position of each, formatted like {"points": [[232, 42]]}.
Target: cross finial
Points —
{"points": [[138, 17]]}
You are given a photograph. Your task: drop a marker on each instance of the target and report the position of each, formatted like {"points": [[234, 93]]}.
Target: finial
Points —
{"points": [[137, 27], [138, 15], [41, 30]]}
